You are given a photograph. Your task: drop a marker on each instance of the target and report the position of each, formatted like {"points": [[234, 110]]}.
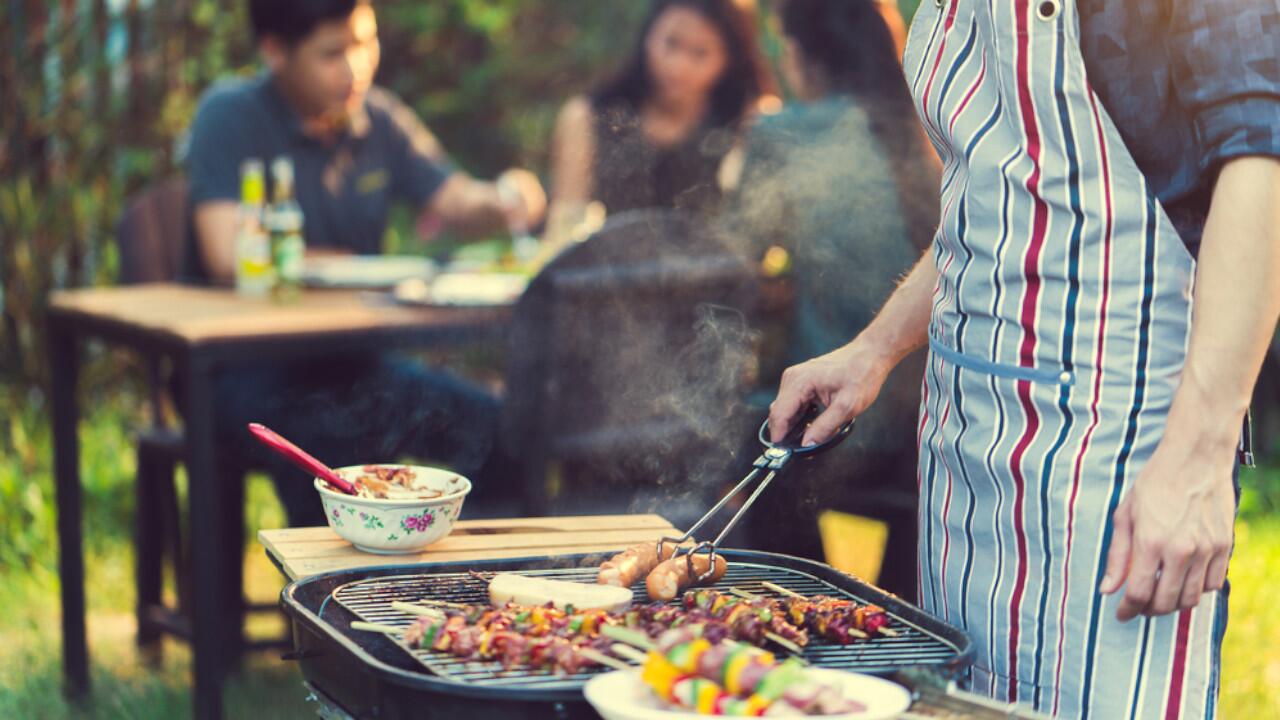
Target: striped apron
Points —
{"points": [[1060, 324]]}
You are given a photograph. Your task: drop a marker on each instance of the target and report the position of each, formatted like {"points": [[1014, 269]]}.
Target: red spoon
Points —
{"points": [[300, 457]]}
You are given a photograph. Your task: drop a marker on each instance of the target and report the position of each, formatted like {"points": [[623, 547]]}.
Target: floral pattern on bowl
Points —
{"points": [[395, 526]]}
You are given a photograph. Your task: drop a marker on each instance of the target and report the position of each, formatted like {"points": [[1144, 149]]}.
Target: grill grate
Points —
{"points": [[371, 599]]}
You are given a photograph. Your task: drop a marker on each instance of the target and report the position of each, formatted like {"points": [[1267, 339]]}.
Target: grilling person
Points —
{"points": [[357, 150], [1089, 370]]}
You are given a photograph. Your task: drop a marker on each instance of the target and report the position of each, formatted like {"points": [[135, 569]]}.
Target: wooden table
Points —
{"points": [[303, 552], [202, 330]]}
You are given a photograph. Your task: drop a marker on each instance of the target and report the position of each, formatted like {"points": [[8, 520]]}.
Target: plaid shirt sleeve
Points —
{"points": [[1226, 73]]}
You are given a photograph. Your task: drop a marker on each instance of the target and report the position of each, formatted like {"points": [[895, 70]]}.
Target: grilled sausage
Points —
{"points": [[671, 576], [632, 564]]}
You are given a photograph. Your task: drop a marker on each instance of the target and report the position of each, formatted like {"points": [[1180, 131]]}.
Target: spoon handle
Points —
{"points": [[300, 457]]}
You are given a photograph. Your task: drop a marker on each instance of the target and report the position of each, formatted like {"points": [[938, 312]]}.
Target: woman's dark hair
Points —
{"points": [[746, 76], [849, 42], [291, 21]]}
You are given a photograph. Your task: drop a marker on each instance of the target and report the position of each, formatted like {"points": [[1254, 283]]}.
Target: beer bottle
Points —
{"points": [[254, 272], [285, 224]]}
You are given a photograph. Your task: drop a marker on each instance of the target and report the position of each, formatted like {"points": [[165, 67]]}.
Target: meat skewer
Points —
{"points": [[836, 619]]}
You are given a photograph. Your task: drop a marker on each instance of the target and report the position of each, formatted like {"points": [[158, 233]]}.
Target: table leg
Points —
{"points": [[64, 367], [207, 543]]}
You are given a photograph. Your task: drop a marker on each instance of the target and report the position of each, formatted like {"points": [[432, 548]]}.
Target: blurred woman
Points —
{"points": [[843, 182], [656, 134]]}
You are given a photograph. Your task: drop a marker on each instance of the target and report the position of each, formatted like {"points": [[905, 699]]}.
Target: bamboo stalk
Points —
{"points": [[599, 657], [376, 627]]}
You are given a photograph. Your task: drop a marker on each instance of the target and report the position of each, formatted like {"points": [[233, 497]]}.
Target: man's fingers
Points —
{"points": [[1216, 574], [793, 395], [1168, 589], [1139, 586], [1193, 586], [839, 411], [1118, 554]]}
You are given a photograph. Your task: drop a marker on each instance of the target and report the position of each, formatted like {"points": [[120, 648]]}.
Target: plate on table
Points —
{"points": [[465, 289], [623, 695], [369, 272]]}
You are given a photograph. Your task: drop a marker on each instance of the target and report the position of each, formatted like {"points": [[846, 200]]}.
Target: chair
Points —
{"points": [[150, 237], [629, 357]]}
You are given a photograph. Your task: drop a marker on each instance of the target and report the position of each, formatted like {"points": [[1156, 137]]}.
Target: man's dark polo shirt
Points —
{"points": [[344, 188]]}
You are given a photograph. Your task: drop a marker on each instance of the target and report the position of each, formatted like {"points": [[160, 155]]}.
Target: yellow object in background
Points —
{"points": [[853, 544]]}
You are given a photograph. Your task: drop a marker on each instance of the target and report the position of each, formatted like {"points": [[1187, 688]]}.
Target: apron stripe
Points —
{"points": [[1027, 350], [928, 88], [1136, 687], [962, 225], [1071, 153], [1131, 431], [1173, 706], [998, 438], [1099, 353]]}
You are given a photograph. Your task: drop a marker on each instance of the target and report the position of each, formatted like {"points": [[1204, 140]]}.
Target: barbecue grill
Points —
{"points": [[361, 674]]}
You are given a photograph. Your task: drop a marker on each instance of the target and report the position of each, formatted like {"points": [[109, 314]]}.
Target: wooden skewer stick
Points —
{"points": [[599, 657], [781, 590], [742, 593], [444, 603], [791, 647], [627, 635], [415, 609], [376, 627], [628, 652]]}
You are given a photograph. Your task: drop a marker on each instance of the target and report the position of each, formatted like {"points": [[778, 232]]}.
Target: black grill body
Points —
{"points": [[374, 676]]}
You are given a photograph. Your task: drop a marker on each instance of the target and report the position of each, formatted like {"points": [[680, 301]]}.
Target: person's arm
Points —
{"points": [[215, 227], [1172, 533], [474, 207], [847, 380], [573, 154]]}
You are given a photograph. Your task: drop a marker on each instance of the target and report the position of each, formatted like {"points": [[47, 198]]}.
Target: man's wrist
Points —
{"points": [[1204, 420]]}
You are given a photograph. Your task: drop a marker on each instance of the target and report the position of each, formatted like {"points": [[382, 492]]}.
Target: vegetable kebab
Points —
{"points": [[731, 678]]}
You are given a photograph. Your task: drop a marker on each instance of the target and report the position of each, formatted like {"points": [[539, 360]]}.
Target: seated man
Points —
{"points": [[355, 149]]}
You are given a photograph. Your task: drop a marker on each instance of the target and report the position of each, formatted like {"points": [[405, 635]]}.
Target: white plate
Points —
{"points": [[463, 288], [623, 696], [365, 271]]}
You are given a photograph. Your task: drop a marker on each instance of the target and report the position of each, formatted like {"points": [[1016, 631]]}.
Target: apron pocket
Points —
{"points": [[1050, 376]]}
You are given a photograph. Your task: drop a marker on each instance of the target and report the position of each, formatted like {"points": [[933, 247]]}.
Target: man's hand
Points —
{"points": [[1172, 533], [845, 381], [848, 380]]}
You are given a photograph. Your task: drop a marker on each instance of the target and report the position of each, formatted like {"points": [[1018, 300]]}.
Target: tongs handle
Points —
{"points": [[775, 458]]}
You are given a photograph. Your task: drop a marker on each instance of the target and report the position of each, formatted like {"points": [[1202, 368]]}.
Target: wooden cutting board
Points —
{"points": [[303, 552]]}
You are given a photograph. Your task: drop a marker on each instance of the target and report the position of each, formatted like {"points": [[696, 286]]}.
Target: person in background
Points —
{"points": [[656, 133], [845, 183], [356, 150]]}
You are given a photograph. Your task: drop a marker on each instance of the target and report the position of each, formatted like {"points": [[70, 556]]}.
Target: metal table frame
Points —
{"points": [[67, 328]]}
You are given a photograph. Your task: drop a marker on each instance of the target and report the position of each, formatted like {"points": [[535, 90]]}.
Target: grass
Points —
{"points": [[127, 685]]}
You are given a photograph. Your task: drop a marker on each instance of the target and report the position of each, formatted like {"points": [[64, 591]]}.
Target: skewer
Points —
{"points": [[415, 609], [628, 652], [781, 590], [444, 603], [376, 627], [599, 657], [627, 636], [886, 631], [742, 593], [790, 647]]}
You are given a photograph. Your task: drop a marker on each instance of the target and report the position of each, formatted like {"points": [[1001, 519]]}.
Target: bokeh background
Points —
{"points": [[95, 96]]}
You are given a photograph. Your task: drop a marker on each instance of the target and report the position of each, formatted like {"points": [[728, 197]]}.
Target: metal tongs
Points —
{"points": [[775, 458]]}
